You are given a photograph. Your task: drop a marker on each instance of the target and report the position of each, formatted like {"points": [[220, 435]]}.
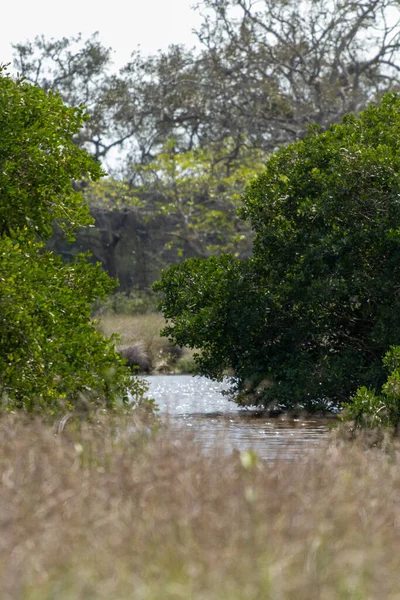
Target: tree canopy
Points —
{"points": [[307, 319], [50, 354], [38, 161], [178, 129], [263, 72]]}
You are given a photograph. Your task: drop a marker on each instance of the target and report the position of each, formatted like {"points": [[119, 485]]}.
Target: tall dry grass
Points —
{"points": [[145, 330], [109, 512], [135, 328]]}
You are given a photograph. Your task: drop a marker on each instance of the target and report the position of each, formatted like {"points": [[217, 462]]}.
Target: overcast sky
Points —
{"points": [[122, 24]]}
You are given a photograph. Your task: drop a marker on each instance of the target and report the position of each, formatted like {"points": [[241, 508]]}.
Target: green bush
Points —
{"points": [[370, 410], [305, 321], [136, 302], [51, 356], [186, 365]]}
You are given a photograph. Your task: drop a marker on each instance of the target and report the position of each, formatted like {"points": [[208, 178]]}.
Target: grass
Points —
{"points": [[111, 511], [145, 329]]}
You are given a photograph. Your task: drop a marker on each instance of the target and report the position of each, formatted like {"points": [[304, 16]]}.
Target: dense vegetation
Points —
{"points": [[308, 318], [371, 408], [50, 355], [263, 72], [298, 302], [203, 120]]}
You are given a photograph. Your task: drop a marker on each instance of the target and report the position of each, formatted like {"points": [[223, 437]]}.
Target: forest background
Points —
{"points": [[181, 132]]}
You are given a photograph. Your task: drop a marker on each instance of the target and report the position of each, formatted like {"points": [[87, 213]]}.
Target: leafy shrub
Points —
{"points": [[136, 302], [369, 409], [317, 305], [186, 365], [51, 357]]}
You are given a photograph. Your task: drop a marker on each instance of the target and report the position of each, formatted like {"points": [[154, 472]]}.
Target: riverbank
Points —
{"points": [[110, 510], [140, 342]]}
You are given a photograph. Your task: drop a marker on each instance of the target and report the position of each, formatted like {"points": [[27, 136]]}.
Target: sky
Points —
{"points": [[122, 24]]}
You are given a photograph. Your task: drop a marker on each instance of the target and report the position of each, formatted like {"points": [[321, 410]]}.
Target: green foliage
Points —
{"points": [[51, 357], [186, 365], [180, 205], [307, 319], [38, 161], [369, 409], [206, 300], [110, 194], [196, 193], [136, 302]]}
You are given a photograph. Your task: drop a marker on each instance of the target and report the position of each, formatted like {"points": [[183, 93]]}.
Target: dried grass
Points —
{"points": [[145, 330], [135, 328], [108, 511]]}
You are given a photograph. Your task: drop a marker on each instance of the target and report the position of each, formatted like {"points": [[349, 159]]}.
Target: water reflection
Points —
{"points": [[197, 404]]}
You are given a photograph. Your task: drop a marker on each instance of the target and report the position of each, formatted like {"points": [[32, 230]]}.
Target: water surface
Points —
{"points": [[198, 405]]}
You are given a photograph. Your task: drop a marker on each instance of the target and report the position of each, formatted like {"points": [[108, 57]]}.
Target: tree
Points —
{"points": [[81, 73], [306, 320], [198, 192], [279, 65], [177, 206], [38, 161], [50, 354], [264, 72], [367, 409]]}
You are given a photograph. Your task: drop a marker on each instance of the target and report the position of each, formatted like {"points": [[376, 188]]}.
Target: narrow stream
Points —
{"points": [[197, 404]]}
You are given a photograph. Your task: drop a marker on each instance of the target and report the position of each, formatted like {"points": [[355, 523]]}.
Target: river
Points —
{"points": [[197, 404]]}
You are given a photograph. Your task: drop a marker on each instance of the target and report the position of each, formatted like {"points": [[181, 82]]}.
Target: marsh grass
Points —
{"points": [[145, 330], [110, 511]]}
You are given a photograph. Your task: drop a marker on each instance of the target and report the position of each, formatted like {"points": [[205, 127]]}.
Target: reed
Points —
{"points": [[111, 510]]}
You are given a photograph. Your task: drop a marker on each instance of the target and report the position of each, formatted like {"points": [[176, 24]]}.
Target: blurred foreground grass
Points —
{"points": [[112, 511]]}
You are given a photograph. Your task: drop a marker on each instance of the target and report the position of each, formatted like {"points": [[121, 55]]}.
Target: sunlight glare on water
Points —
{"points": [[197, 404]]}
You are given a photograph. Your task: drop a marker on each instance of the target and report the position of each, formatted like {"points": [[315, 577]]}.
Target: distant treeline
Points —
{"points": [[181, 131]]}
